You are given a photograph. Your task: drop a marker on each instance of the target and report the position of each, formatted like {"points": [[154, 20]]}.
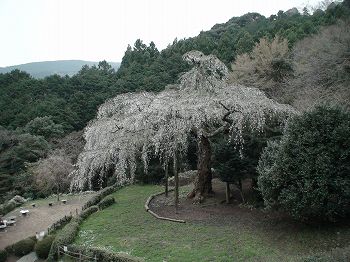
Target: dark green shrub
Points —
{"points": [[9, 249], [91, 202], [59, 224], [64, 237], [42, 248], [87, 212], [3, 255], [106, 202], [7, 207], [99, 196], [307, 173], [23, 247]]}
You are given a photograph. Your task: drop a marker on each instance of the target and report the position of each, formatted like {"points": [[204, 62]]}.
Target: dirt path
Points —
{"points": [[39, 218]]}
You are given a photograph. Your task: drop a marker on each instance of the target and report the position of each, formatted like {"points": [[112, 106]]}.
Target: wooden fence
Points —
{"points": [[78, 256]]}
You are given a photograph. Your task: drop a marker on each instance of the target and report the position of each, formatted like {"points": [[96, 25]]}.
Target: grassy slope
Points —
{"points": [[126, 227]]}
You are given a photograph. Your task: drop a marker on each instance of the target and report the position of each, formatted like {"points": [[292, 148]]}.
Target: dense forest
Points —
{"points": [[41, 116]]}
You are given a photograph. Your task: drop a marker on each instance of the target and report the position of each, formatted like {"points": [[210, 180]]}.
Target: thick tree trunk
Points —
{"points": [[202, 184]]}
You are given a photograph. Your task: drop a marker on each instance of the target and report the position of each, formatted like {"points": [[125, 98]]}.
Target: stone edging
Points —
{"points": [[157, 216]]}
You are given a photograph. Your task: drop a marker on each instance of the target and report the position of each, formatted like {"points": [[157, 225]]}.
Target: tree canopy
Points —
{"points": [[202, 102]]}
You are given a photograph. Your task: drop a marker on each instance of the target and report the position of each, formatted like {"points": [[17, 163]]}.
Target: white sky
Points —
{"points": [[95, 30]]}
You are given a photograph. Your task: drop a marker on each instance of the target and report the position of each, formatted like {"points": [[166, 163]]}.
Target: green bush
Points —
{"points": [[103, 255], [3, 255], [11, 204], [87, 212], [42, 248], [7, 207], [59, 224], [64, 237], [99, 196], [23, 247], [106, 202], [307, 172]]}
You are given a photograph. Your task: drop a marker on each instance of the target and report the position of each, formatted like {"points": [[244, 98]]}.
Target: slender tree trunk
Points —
{"points": [[58, 194], [166, 180], [202, 184], [228, 192], [240, 186], [176, 176]]}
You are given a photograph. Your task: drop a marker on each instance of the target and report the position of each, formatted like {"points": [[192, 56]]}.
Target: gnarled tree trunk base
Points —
{"points": [[202, 184]]}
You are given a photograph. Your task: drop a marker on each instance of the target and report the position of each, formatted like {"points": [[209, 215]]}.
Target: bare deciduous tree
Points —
{"points": [[266, 67], [322, 67], [52, 173]]}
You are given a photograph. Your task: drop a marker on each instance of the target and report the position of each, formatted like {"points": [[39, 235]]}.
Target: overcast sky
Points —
{"points": [[95, 30]]}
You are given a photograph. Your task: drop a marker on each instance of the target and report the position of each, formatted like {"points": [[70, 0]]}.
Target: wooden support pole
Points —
{"points": [[228, 193], [176, 176], [166, 179], [241, 189]]}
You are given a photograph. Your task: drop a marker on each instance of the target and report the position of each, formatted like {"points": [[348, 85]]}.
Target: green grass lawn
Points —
{"points": [[126, 227]]}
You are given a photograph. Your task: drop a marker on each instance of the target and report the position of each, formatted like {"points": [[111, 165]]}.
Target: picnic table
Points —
{"points": [[3, 225], [24, 212], [10, 222], [12, 218]]}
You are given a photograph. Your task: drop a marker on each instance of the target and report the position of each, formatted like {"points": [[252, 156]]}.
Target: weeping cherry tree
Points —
{"points": [[141, 124]]}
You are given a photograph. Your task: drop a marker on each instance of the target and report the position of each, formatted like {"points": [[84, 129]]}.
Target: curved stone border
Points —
{"points": [[155, 215]]}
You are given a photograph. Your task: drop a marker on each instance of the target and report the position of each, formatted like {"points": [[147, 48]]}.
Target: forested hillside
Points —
{"points": [[47, 68], [37, 113]]}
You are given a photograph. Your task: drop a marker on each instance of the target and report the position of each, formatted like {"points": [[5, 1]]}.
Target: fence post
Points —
{"points": [[80, 255], [58, 252]]}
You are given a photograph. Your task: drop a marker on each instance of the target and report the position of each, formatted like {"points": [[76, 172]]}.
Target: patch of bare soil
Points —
{"points": [[213, 211], [276, 227], [39, 218]]}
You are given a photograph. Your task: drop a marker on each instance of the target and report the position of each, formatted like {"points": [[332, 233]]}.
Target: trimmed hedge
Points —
{"points": [[23, 247], [103, 255], [67, 235], [3, 255], [106, 202], [64, 237], [42, 248], [87, 212], [59, 224], [99, 196]]}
